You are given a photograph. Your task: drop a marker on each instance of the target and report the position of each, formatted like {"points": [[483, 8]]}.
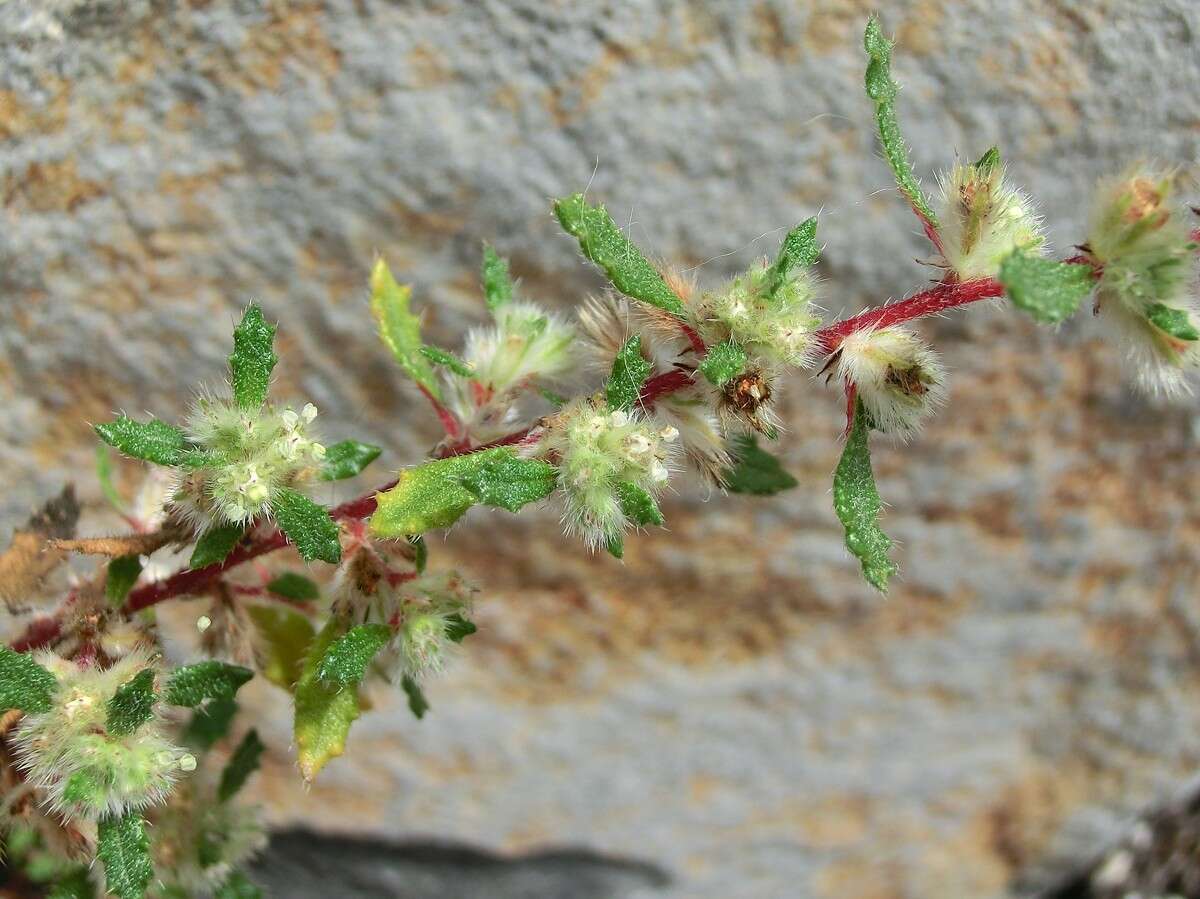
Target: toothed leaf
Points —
{"points": [[755, 471], [1175, 322], [399, 328], [215, 544], [307, 526], [346, 459], [446, 359], [857, 504], [284, 638], [210, 723], [252, 360], [152, 441], [295, 587], [210, 679], [603, 243], [798, 250], [459, 628], [497, 284], [1049, 291], [324, 711], [638, 505], [123, 573], [124, 850], [629, 372], [723, 363], [24, 684], [241, 765], [132, 705], [511, 483], [417, 703], [345, 662], [431, 495]]}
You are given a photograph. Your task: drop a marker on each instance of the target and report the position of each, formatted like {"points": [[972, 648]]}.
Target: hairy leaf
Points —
{"points": [[511, 483], [238, 886], [459, 628], [24, 684], [215, 544], [1175, 322], [210, 679], [241, 765], [253, 359], [210, 723], [284, 639], [295, 587], [307, 526], [615, 545], [723, 363], [132, 705], [988, 162], [638, 505], [417, 703], [124, 850], [153, 441], [856, 502], [346, 459], [324, 711], [75, 884], [431, 495], [603, 243], [1049, 291], [446, 359], [399, 328], [497, 284], [755, 471], [345, 662], [798, 250], [629, 372], [882, 90], [104, 474], [123, 573]]}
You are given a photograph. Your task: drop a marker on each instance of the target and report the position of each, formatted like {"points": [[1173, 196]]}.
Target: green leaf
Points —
{"points": [[132, 705], [85, 789], [345, 662], [324, 711], [882, 90], [638, 505], [104, 474], [755, 471], [215, 544], [723, 363], [241, 765], [856, 502], [124, 850], [284, 639], [24, 684], [420, 553], [1049, 291], [554, 399], [153, 441], [615, 545], [417, 703], [210, 679], [511, 483], [431, 495], [307, 526], [399, 328], [629, 372], [798, 250], [497, 285], [123, 573], [210, 722], [459, 628], [988, 162], [603, 243], [1175, 322], [346, 459], [74, 885], [252, 360], [446, 359], [295, 587], [238, 886]]}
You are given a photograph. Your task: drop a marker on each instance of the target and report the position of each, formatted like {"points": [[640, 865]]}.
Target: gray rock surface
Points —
{"points": [[731, 704]]}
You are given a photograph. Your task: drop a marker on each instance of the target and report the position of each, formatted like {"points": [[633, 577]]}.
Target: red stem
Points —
{"points": [[450, 422]]}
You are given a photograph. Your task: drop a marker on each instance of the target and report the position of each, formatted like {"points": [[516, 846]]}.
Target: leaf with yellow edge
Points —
{"points": [[431, 495], [286, 636], [324, 711], [399, 328]]}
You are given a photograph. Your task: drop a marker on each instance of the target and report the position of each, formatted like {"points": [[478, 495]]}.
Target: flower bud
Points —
{"points": [[985, 219], [899, 379]]}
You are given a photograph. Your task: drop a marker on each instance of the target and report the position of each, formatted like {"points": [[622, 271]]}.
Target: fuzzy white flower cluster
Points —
{"points": [[85, 771], [984, 219], [253, 453], [1145, 294], [600, 452], [898, 377]]}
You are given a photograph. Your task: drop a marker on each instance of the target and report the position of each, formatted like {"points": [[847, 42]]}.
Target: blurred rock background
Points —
{"points": [[731, 707]]}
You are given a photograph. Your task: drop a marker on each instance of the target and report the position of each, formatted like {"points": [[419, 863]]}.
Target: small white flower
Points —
{"points": [[899, 379]]}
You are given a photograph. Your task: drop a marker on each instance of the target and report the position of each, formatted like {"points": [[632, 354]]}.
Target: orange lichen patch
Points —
{"points": [[50, 187], [428, 66], [291, 37], [17, 117], [769, 36], [188, 185], [833, 25], [568, 100], [860, 877], [182, 116], [921, 29]]}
